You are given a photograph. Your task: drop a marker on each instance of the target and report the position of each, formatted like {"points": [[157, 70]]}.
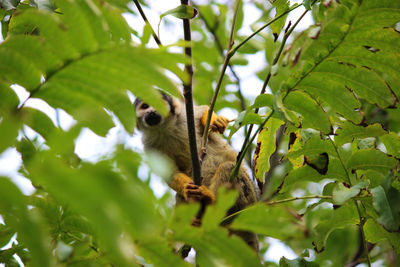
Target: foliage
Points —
{"points": [[332, 195]]}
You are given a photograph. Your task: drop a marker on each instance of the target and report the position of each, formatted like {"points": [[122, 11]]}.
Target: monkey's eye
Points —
{"points": [[144, 106]]}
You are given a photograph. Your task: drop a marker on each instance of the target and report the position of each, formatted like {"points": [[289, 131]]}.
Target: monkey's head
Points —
{"points": [[149, 118]]}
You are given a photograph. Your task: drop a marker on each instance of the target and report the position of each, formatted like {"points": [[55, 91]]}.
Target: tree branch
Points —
{"points": [[187, 92], [153, 33], [262, 28], [221, 76], [221, 51]]}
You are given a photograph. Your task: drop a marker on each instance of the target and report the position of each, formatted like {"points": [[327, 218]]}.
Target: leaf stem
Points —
{"points": [[219, 82], [153, 33], [188, 94]]}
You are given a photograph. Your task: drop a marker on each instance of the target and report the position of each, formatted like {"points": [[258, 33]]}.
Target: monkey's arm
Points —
{"points": [[185, 186], [217, 123]]}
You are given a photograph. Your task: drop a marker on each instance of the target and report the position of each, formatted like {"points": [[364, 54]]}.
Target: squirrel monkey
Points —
{"points": [[168, 135]]}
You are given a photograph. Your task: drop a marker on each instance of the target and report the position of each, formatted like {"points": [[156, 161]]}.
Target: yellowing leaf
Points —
{"points": [[265, 147]]}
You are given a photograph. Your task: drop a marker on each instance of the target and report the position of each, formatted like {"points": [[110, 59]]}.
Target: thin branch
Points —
{"points": [[187, 92], [262, 28], [277, 202], [153, 33], [221, 76], [239, 93], [248, 141], [297, 198], [221, 51]]}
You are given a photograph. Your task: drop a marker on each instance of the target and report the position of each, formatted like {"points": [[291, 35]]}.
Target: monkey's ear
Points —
{"points": [[177, 104]]}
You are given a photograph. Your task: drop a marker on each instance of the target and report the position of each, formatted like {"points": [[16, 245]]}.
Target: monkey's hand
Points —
{"points": [[195, 193], [185, 186], [217, 123]]}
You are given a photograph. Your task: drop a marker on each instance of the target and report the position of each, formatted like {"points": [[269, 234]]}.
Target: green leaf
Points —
{"points": [[159, 253], [15, 68], [30, 231], [350, 60], [341, 217], [341, 193], [266, 146], [5, 235], [392, 143], [307, 173], [39, 122], [215, 248], [348, 132], [215, 213], [375, 233], [263, 100], [124, 199], [307, 4], [9, 127], [371, 159], [181, 12], [302, 174], [9, 99], [313, 115], [385, 202], [283, 112], [318, 162], [245, 118], [281, 6], [314, 145], [6, 255], [87, 64], [273, 221], [283, 262]]}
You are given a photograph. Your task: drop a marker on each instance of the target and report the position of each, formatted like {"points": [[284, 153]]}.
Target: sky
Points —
{"points": [[92, 147]]}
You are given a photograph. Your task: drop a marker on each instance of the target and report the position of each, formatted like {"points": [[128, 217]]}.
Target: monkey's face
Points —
{"points": [[148, 115], [149, 118]]}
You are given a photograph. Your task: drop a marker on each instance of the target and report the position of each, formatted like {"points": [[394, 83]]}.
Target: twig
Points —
{"points": [[221, 51], [221, 76], [147, 22], [187, 92], [248, 141], [262, 28], [277, 202], [297, 198]]}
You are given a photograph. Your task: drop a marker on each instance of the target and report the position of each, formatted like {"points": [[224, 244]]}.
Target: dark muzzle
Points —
{"points": [[152, 118]]}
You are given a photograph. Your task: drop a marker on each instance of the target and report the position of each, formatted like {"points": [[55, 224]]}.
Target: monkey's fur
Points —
{"points": [[169, 136]]}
